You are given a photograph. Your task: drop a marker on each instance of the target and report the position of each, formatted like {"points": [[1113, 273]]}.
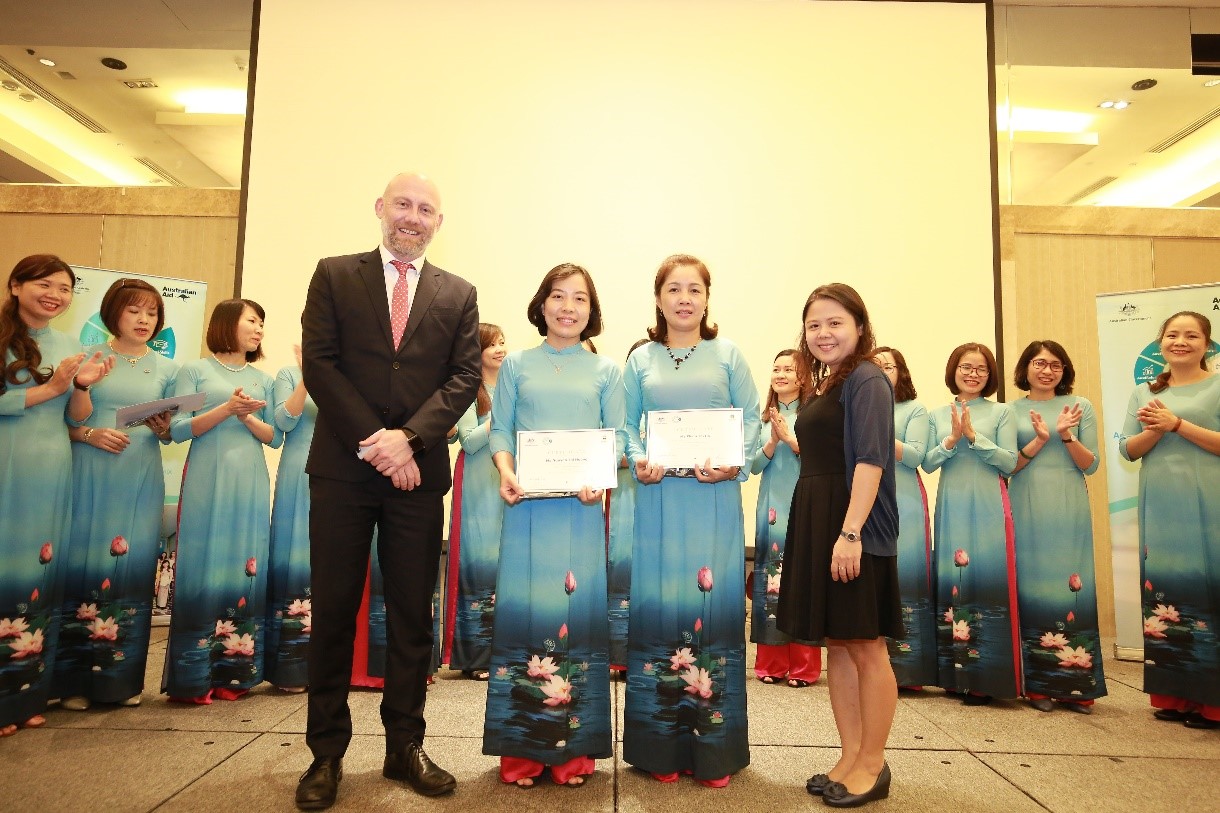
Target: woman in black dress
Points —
{"points": [[841, 556]]}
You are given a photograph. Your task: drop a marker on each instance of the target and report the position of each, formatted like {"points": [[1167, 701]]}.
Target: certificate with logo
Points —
{"points": [[681, 439], [136, 414], [559, 463]]}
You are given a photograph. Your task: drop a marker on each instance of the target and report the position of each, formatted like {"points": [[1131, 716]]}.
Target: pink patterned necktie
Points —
{"points": [[398, 301]]}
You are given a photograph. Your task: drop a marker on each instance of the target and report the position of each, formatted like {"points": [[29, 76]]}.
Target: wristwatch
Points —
{"points": [[414, 441], [1069, 439], [850, 536]]}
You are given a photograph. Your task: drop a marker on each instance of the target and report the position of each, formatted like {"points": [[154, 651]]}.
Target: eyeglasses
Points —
{"points": [[889, 368], [1043, 364], [967, 369]]}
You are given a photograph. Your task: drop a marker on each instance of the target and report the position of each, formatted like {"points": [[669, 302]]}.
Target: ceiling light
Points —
{"points": [[1121, 105], [8, 84], [50, 63], [27, 97], [1035, 120], [1106, 104], [1211, 83], [213, 101]]}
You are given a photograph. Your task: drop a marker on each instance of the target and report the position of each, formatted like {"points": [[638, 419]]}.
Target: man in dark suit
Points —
{"points": [[390, 354]]}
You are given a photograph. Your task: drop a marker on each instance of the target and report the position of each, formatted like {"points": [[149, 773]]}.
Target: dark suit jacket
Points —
{"points": [[361, 383]]}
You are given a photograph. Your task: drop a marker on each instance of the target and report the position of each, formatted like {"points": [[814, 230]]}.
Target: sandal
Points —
{"points": [[477, 674], [37, 721], [526, 783], [797, 683], [770, 680], [574, 782]]}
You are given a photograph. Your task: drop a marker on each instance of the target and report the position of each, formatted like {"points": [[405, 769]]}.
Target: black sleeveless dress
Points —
{"points": [[812, 606]]}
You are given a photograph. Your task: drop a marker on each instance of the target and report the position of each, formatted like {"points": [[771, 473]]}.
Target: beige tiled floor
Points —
{"points": [[247, 755]]}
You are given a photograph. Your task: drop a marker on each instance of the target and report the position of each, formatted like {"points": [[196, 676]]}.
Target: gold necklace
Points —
{"points": [[132, 360], [227, 367]]}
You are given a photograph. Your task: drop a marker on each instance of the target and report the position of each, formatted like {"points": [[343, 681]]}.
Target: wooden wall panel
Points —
{"points": [[1185, 261], [1057, 278], [195, 248], [75, 238]]}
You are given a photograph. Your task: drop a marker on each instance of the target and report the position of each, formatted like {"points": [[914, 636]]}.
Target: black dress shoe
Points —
{"points": [[817, 783], [1197, 720], [836, 794], [411, 765], [1171, 715], [319, 785], [977, 700]]}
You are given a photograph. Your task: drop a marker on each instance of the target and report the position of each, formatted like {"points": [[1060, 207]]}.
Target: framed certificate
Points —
{"points": [[686, 438], [559, 463]]}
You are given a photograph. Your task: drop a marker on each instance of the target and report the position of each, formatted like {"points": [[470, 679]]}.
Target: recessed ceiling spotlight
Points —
{"points": [[1144, 84], [8, 84], [1121, 105], [50, 63], [27, 97], [1211, 83], [1106, 104], [114, 64]]}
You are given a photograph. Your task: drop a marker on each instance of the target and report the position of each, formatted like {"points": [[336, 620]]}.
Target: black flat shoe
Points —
{"points": [[836, 794], [1079, 708], [817, 783], [977, 699], [1170, 715], [318, 786], [411, 765], [1043, 704], [1197, 720]]}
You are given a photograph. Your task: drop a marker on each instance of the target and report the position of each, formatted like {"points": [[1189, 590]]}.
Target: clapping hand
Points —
{"points": [[242, 405], [94, 369], [1040, 428], [296, 353], [1156, 416], [1069, 419]]}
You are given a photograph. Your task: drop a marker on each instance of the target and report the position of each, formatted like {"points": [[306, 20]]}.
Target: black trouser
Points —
{"points": [[409, 525]]}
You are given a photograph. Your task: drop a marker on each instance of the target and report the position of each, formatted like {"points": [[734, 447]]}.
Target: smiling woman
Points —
{"points": [[41, 367]]}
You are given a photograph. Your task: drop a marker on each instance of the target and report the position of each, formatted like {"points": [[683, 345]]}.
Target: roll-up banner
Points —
{"points": [[1127, 328]]}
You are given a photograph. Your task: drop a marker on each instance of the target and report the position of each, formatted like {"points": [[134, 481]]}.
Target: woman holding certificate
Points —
{"points": [[686, 701], [841, 582], [216, 641], [548, 699], [118, 497]]}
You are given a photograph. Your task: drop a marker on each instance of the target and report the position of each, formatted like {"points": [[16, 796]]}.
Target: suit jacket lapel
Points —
{"points": [[373, 274], [429, 286]]}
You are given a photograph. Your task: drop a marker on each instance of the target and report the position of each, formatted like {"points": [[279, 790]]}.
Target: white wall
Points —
{"points": [[787, 143]]}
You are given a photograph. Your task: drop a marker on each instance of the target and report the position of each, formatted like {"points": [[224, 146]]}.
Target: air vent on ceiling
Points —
{"points": [[50, 98], [139, 83], [64, 74], [1090, 189], [159, 170], [1193, 127]]}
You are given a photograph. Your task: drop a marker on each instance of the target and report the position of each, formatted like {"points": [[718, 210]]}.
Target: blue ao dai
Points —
{"points": [[289, 606], [686, 700], [35, 524], [474, 547], [978, 636], [914, 654], [216, 634], [107, 608], [548, 699], [779, 475]]}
